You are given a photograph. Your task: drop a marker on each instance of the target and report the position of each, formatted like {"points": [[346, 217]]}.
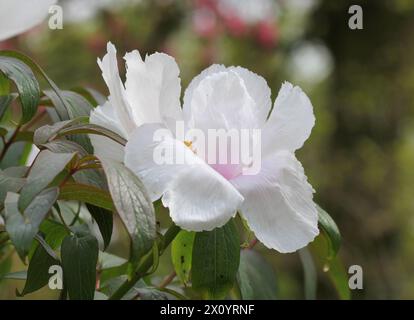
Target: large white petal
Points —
{"points": [[221, 101], [117, 98], [153, 87], [104, 147], [258, 90], [278, 203], [198, 197], [231, 97], [188, 95], [18, 16], [291, 121]]}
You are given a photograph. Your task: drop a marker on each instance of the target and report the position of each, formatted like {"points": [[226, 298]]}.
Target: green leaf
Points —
{"points": [[91, 177], [331, 232], [64, 146], [255, 277], [4, 85], [26, 83], [16, 155], [79, 254], [5, 102], [140, 291], [22, 227], [38, 271], [113, 272], [133, 205], [94, 97], [333, 268], [216, 258], [35, 67], [111, 266], [54, 233], [92, 129], [17, 172], [104, 219], [88, 194], [48, 132], [48, 165], [76, 106], [181, 254], [42, 242], [10, 182]]}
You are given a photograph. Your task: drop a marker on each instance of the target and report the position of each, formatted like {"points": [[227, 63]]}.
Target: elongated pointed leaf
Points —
{"points": [[5, 102], [333, 268], [331, 232], [88, 194], [79, 254], [16, 155], [92, 129], [105, 220], [35, 67], [48, 165], [10, 182], [255, 277], [94, 97], [4, 85], [47, 132], [64, 146], [54, 233], [182, 253], [76, 106], [91, 177], [26, 83], [133, 205], [38, 271], [22, 227], [216, 258]]}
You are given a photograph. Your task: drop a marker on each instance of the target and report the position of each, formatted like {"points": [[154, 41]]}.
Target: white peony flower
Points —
{"points": [[18, 16], [277, 202]]}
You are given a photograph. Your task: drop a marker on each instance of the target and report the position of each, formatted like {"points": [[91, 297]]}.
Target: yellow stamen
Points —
{"points": [[188, 144]]}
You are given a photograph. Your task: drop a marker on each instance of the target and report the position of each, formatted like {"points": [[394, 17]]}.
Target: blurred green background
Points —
{"points": [[360, 156]]}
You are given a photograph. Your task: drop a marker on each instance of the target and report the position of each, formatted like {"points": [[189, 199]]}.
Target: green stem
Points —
{"points": [[61, 218], [77, 213], [145, 265]]}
